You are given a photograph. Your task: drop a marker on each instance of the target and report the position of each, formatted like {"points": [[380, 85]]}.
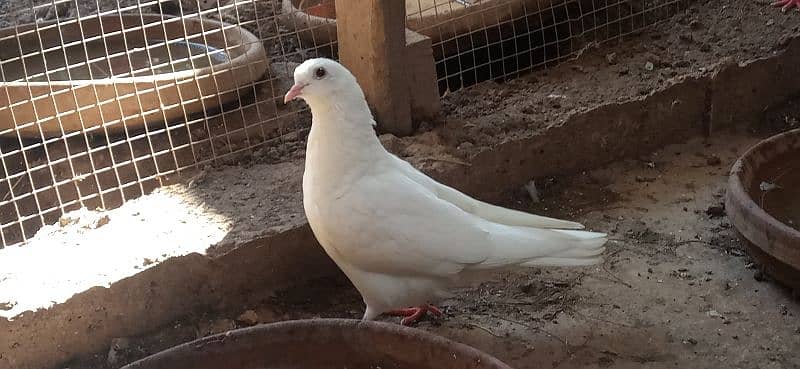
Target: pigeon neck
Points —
{"points": [[344, 127]]}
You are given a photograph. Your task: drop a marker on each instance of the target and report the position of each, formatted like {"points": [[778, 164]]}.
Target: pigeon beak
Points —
{"points": [[293, 92]]}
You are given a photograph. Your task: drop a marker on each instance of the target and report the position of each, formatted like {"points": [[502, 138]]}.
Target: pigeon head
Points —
{"points": [[320, 80]]}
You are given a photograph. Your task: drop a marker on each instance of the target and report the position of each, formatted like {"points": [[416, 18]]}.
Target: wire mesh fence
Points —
{"points": [[478, 40], [499, 39], [103, 100]]}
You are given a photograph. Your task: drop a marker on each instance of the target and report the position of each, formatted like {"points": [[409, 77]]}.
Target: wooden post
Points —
{"points": [[420, 67], [372, 41]]}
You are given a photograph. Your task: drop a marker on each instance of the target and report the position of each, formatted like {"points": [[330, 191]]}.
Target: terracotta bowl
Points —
{"points": [[321, 344], [775, 244]]}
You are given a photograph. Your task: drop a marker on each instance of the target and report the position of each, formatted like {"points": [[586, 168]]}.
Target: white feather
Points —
{"points": [[401, 237]]}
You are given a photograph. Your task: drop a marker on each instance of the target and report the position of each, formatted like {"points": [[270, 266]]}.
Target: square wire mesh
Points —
{"points": [[479, 40], [106, 100]]}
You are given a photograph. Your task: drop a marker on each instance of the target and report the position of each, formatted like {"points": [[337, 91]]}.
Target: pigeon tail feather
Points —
{"points": [[587, 249], [529, 247]]}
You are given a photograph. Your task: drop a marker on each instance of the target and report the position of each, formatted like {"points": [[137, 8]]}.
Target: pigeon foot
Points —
{"points": [[787, 4], [414, 314]]}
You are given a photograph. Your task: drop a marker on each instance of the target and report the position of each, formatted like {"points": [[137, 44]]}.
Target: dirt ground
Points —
{"points": [[676, 290], [689, 44]]}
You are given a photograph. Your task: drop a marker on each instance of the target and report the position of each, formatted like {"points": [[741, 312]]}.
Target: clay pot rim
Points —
{"points": [[742, 206], [423, 337]]}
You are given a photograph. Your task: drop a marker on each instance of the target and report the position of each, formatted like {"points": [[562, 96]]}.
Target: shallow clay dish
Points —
{"points": [[321, 344], [753, 211], [120, 71]]}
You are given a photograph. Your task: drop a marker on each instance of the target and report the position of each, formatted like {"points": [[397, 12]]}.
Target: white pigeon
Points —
{"points": [[402, 238]]}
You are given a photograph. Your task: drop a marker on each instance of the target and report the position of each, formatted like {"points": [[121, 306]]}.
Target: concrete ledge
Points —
{"points": [[175, 288], [728, 95]]}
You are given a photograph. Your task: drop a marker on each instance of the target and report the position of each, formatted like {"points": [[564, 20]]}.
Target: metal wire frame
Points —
{"points": [[104, 165], [500, 39]]}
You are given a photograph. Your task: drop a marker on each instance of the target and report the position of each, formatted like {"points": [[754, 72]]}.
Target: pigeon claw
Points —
{"points": [[787, 4], [414, 314]]}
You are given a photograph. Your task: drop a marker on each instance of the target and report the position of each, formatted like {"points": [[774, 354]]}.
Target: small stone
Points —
{"points": [[117, 349], [736, 252], [649, 66], [690, 341], [249, 317], [8, 305], [770, 22], [99, 222], [611, 58], [63, 221], [714, 314]]}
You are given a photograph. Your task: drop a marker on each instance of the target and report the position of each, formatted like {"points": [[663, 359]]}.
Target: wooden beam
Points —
{"points": [[372, 43], [423, 88]]}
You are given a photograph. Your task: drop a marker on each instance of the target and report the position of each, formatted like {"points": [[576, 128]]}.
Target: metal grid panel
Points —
{"points": [[478, 40], [67, 143]]}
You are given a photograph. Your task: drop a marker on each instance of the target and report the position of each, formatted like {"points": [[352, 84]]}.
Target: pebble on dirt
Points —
{"points": [[116, 351], [249, 317]]}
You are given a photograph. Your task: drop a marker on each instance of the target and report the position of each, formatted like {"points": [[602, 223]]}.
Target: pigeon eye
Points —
{"points": [[320, 73]]}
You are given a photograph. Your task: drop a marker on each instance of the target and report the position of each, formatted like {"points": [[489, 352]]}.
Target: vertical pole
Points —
{"points": [[372, 41]]}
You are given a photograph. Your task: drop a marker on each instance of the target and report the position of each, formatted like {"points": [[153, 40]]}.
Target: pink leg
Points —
{"points": [[787, 4], [413, 314]]}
